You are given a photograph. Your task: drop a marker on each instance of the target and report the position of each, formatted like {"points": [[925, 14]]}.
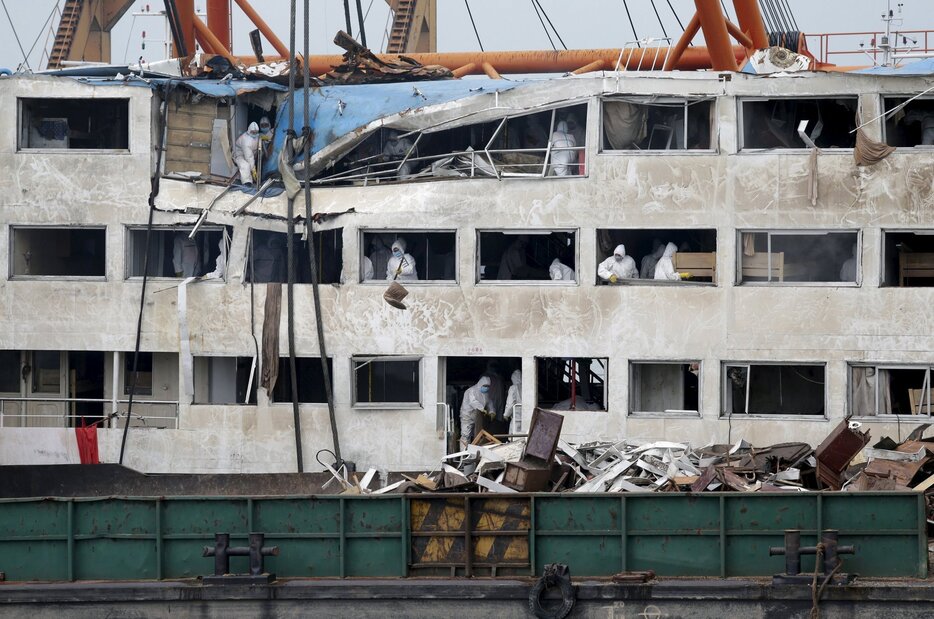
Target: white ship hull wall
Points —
{"points": [[724, 190]]}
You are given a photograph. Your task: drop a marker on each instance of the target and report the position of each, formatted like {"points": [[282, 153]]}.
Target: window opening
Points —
{"points": [[881, 390], [91, 124], [535, 256], [58, 252], [503, 403], [912, 125], [269, 257], [773, 389], [173, 254], [224, 380], [47, 371], [10, 371], [310, 380], [794, 257], [693, 258], [143, 371], [660, 124], [571, 384], [386, 380], [546, 143], [430, 256], [86, 382], [773, 123], [665, 388], [908, 258]]}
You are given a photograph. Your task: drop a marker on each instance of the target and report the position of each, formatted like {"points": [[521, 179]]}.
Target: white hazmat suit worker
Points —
{"points": [[558, 271], [618, 266], [514, 403], [245, 149], [563, 162], [476, 402], [401, 265], [647, 268], [665, 269]]}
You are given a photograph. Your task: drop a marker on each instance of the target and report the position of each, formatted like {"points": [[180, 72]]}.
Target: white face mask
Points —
{"points": [[617, 257]]}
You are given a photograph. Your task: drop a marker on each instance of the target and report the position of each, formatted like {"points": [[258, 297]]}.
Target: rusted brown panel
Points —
{"points": [[836, 451]]}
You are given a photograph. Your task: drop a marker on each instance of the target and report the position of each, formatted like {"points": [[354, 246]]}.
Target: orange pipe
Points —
{"points": [[205, 34], [467, 69], [750, 21], [596, 65], [186, 15], [267, 31], [739, 35], [219, 20], [506, 63], [491, 71], [713, 24], [681, 47]]}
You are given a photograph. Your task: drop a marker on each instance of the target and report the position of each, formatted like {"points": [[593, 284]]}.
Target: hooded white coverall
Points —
{"points": [[619, 265], [245, 149], [514, 403], [665, 269], [475, 403], [401, 262], [647, 270], [562, 160], [558, 271], [367, 269]]}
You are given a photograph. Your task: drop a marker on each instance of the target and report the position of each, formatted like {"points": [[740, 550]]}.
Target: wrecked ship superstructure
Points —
{"points": [[806, 301]]}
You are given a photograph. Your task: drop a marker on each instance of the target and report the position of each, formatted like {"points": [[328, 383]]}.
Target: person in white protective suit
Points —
{"points": [[848, 270], [245, 149], [185, 256], [368, 273], [476, 402], [513, 264], [514, 403], [265, 136], [558, 271], [563, 162], [647, 268], [665, 269], [397, 148], [401, 265], [379, 254], [618, 266]]}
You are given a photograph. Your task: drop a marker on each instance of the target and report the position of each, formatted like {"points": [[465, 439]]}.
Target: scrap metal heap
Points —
{"points": [[543, 462]]}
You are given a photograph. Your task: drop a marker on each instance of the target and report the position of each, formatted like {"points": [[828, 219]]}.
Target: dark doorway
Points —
{"points": [[461, 373], [86, 382]]}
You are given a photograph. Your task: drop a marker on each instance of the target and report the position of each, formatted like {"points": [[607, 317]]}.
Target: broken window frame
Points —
{"points": [[748, 365], [664, 101], [128, 250], [358, 362], [12, 254], [925, 405], [404, 233], [770, 232], [606, 383], [252, 386], [301, 256], [21, 118], [886, 117], [741, 125], [886, 232], [389, 172], [657, 233], [526, 282], [676, 413]]}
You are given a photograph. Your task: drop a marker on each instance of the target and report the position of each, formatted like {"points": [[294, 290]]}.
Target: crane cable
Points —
{"points": [[474, 24], [677, 19], [551, 24], [346, 18], [15, 34], [544, 27], [631, 25], [659, 18]]}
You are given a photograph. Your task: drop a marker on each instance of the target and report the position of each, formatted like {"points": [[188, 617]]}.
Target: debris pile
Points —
{"points": [[361, 66], [543, 462]]}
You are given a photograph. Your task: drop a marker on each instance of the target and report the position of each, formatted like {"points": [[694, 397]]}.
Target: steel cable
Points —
{"points": [[548, 19], [631, 25], [474, 24], [659, 18], [544, 27]]}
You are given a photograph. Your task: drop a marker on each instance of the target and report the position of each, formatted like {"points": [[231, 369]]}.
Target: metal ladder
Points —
{"points": [[401, 25], [65, 33]]}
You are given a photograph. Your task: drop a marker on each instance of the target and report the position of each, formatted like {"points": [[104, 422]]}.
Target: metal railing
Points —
{"points": [[827, 46], [486, 163], [68, 419]]}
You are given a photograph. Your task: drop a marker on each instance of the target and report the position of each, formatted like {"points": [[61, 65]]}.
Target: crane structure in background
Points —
{"points": [[84, 32], [414, 26]]}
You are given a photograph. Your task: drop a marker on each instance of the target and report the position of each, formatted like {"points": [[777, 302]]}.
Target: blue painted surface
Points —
{"points": [[921, 67]]}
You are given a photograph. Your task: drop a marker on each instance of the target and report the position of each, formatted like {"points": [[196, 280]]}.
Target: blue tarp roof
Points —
{"points": [[362, 104], [921, 67]]}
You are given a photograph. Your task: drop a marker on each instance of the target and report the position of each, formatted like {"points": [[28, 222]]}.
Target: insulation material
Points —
{"points": [[184, 340], [272, 316], [624, 124]]}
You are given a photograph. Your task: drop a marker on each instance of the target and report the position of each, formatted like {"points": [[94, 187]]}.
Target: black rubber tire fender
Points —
{"points": [[567, 599]]}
